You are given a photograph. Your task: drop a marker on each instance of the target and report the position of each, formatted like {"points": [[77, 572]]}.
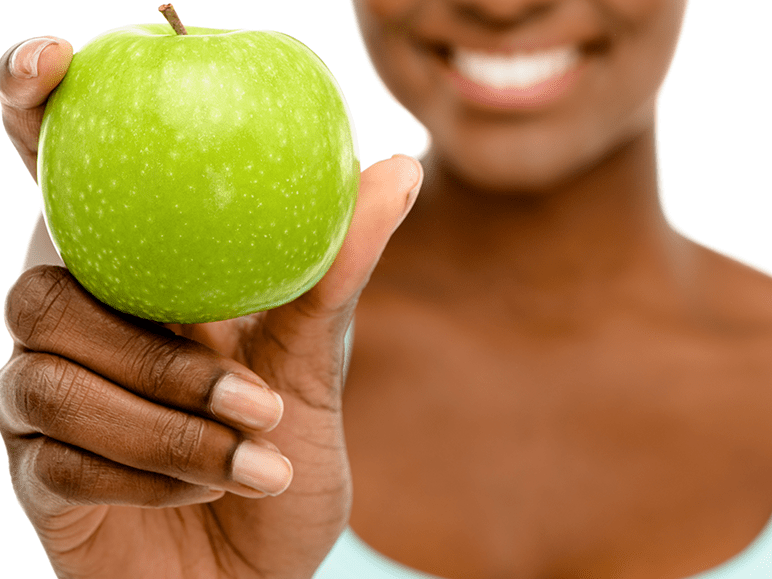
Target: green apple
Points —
{"points": [[199, 177]]}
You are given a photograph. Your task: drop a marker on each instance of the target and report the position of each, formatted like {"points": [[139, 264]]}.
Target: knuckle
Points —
{"points": [[7, 390], [66, 471], [161, 490], [156, 361], [45, 390], [37, 302], [165, 367], [180, 439]]}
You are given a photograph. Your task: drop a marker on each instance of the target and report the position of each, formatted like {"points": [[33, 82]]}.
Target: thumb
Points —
{"points": [[304, 347], [387, 192], [29, 72], [300, 348]]}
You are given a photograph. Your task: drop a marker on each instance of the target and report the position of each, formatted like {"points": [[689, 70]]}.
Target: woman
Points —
{"points": [[547, 380]]}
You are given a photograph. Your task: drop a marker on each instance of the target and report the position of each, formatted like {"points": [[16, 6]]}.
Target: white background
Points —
{"points": [[715, 144]]}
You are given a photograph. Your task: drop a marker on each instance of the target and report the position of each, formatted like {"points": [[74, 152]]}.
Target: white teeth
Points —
{"points": [[516, 70]]}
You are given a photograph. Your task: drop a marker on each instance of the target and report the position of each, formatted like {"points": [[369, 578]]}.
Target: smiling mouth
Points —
{"points": [[517, 70], [514, 71]]}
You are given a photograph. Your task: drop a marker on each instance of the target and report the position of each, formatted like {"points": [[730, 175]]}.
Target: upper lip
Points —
{"points": [[445, 48], [523, 42], [557, 25]]}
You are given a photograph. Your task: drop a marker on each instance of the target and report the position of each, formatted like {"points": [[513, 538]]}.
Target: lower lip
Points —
{"points": [[537, 96]]}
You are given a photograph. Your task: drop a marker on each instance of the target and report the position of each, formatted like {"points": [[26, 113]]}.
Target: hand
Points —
{"points": [[143, 451], [29, 72]]}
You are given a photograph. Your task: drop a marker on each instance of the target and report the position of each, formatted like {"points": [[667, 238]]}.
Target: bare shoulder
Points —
{"points": [[735, 296]]}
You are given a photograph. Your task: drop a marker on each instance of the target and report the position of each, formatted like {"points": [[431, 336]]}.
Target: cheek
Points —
{"points": [[638, 67], [638, 10], [388, 9], [405, 71], [650, 29]]}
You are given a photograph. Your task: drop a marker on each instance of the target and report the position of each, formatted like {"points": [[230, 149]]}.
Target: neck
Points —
{"points": [[601, 227]]}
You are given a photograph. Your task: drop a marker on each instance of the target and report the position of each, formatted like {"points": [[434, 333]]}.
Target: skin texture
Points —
{"points": [[573, 389], [547, 380], [84, 380]]}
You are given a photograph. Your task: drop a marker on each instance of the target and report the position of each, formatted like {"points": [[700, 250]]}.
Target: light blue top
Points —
{"points": [[352, 558]]}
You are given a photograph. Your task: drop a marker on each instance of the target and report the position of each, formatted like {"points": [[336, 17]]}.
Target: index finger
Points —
{"points": [[48, 311], [29, 71]]}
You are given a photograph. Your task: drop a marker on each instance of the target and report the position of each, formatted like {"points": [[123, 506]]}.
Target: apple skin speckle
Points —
{"points": [[197, 178]]}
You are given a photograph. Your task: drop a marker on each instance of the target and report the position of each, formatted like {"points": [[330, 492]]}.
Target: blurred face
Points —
{"points": [[521, 94]]}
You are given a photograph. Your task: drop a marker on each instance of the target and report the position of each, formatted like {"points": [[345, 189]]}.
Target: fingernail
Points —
{"points": [[212, 495], [414, 177], [24, 60], [261, 468], [247, 403]]}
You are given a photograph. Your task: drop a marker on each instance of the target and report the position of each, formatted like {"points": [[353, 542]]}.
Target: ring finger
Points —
{"points": [[81, 409]]}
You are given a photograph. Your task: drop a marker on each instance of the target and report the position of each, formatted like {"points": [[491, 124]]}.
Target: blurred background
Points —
{"points": [[715, 127]]}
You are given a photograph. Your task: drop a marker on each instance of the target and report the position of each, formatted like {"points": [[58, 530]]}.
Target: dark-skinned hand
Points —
{"points": [[199, 451]]}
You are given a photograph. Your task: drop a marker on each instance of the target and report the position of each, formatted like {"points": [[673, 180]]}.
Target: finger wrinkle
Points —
{"points": [[12, 397], [27, 304], [23, 126], [24, 98], [52, 393], [154, 364], [51, 300], [180, 438]]}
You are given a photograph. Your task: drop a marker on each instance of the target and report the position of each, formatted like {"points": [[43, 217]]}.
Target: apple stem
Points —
{"points": [[171, 15]]}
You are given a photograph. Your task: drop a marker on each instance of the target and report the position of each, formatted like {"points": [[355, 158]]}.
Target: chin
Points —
{"points": [[535, 166], [508, 174]]}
